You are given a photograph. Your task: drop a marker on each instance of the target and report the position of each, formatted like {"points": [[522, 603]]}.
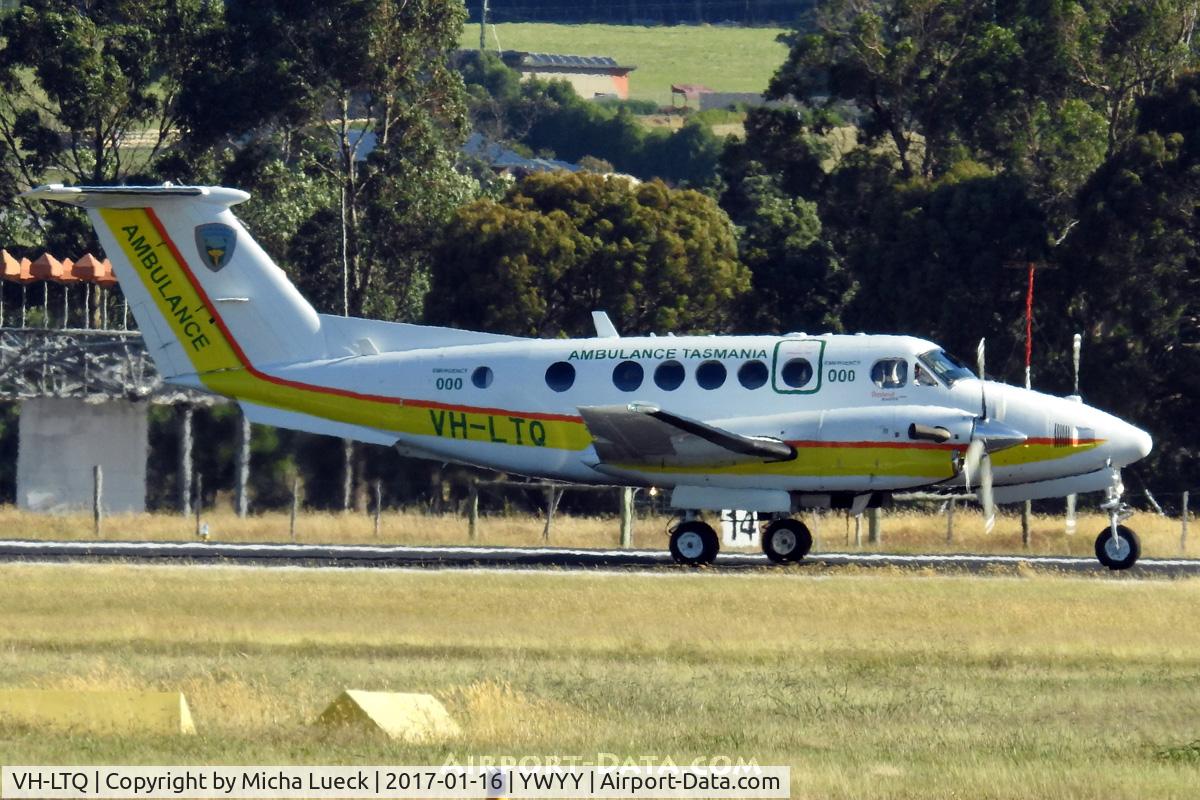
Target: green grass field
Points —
{"points": [[724, 59], [876, 686]]}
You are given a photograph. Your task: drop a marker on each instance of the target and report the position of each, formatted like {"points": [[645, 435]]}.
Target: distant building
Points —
{"points": [[592, 76], [688, 93]]}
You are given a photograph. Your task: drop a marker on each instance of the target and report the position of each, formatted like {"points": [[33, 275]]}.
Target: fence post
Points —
{"points": [[97, 499], [950, 521], [185, 462], [874, 534], [626, 516], [1183, 525], [378, 504], [473, 511], [858, 530], [552, 496], [347, 474], [243, 467], [295, 507], [198, 501], [1026, 512]]}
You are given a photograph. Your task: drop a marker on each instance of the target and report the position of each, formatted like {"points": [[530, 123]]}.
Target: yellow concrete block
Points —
{"points": [[110, 712], [409, 717]]}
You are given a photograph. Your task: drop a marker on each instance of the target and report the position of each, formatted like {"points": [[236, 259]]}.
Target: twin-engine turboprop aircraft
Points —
{"points": [[770, 424]]}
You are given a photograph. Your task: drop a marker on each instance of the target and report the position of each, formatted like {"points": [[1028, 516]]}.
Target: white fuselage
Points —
{"points": [[842, 410]]}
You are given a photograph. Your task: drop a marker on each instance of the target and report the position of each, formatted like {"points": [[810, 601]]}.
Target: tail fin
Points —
{"points": [[205, 295]]}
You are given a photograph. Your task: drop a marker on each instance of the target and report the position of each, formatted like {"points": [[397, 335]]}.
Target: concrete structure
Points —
{"points": [[62, 439], [97, 711], [748, 99], [592, 76], [403, 716]]}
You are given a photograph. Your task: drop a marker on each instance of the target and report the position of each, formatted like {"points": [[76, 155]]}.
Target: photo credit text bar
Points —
{"points": [[401, 782]]}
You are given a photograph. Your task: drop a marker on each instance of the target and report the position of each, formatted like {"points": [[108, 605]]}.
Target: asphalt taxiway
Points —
{"points": [[466, 557]]}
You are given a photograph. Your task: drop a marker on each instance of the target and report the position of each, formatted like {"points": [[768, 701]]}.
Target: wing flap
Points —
{"points": [[644, 435]]}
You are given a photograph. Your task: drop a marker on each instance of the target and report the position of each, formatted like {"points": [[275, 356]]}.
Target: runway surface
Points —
{"points": [[466, 557]]}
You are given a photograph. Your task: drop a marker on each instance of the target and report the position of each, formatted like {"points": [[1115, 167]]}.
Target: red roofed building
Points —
{"points": [[592, 76]]}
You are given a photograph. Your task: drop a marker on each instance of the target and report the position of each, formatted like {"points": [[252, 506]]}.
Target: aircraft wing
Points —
{"points": [[640, 434]]}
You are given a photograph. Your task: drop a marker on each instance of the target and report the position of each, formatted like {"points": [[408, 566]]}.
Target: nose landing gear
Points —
{"points": [[1117, 547]]}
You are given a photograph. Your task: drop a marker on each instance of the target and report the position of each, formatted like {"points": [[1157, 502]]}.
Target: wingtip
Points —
{"points": [[51, 191]]}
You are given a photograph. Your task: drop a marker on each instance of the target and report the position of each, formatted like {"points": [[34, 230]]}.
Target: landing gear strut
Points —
{"points": [[694, 543], [785, 540], [1117, 547]]}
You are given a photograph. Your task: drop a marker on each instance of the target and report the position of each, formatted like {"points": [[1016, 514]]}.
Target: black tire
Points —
{"points": [[786, 540], [694, 543], [1122, 554]]}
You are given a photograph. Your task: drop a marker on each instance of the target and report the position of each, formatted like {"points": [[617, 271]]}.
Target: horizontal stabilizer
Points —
{"points": [[645, 435], [134, 196]]}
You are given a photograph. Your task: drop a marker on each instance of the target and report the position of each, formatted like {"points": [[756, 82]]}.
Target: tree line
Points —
{"points": [[929, 153]]}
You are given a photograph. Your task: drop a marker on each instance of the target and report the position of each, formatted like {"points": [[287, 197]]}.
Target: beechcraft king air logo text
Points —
{"points": [[215, 243]]}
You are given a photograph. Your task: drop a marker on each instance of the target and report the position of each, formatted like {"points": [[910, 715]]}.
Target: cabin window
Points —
{"points": [[797, 372], [890, 373], [710, 375], [669, 375], [482, 377], [627, 376], [560, 376], [753, 374]]}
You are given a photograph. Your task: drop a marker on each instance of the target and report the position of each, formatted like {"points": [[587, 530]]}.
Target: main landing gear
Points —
{"points": [[1117, 547], [694, 542], [786, 540]]}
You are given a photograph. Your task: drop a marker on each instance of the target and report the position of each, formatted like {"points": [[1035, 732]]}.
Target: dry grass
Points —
{"points": [[904, 530], [894, 686]]}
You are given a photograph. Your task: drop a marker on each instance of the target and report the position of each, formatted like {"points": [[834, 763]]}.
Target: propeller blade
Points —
{"points": [[972, 459], [986, 498], [979, 351]]}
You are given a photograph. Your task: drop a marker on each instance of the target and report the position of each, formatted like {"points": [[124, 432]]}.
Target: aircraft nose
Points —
{"points": [[1129, 444]]}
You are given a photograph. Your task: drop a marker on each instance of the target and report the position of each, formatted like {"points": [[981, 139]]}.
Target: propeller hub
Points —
{"points": [[996, 435]]}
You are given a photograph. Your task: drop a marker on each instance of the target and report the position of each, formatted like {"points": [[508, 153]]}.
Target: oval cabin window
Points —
{"points": [[560, 376]]}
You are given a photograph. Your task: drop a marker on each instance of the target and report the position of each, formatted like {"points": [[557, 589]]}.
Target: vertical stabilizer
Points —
{"points": [[205, 295]]}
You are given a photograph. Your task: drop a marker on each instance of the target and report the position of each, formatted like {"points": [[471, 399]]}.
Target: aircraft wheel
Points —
{"points": [[786, 540], [694, 543], [1120, 554]]}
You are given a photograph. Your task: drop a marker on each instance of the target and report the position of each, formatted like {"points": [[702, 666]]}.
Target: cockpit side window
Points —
{"points": [[922, 377], [945, 366], [890, 373]]}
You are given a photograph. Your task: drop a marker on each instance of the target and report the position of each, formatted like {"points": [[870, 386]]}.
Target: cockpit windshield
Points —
{"points": [[948, 368]]}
